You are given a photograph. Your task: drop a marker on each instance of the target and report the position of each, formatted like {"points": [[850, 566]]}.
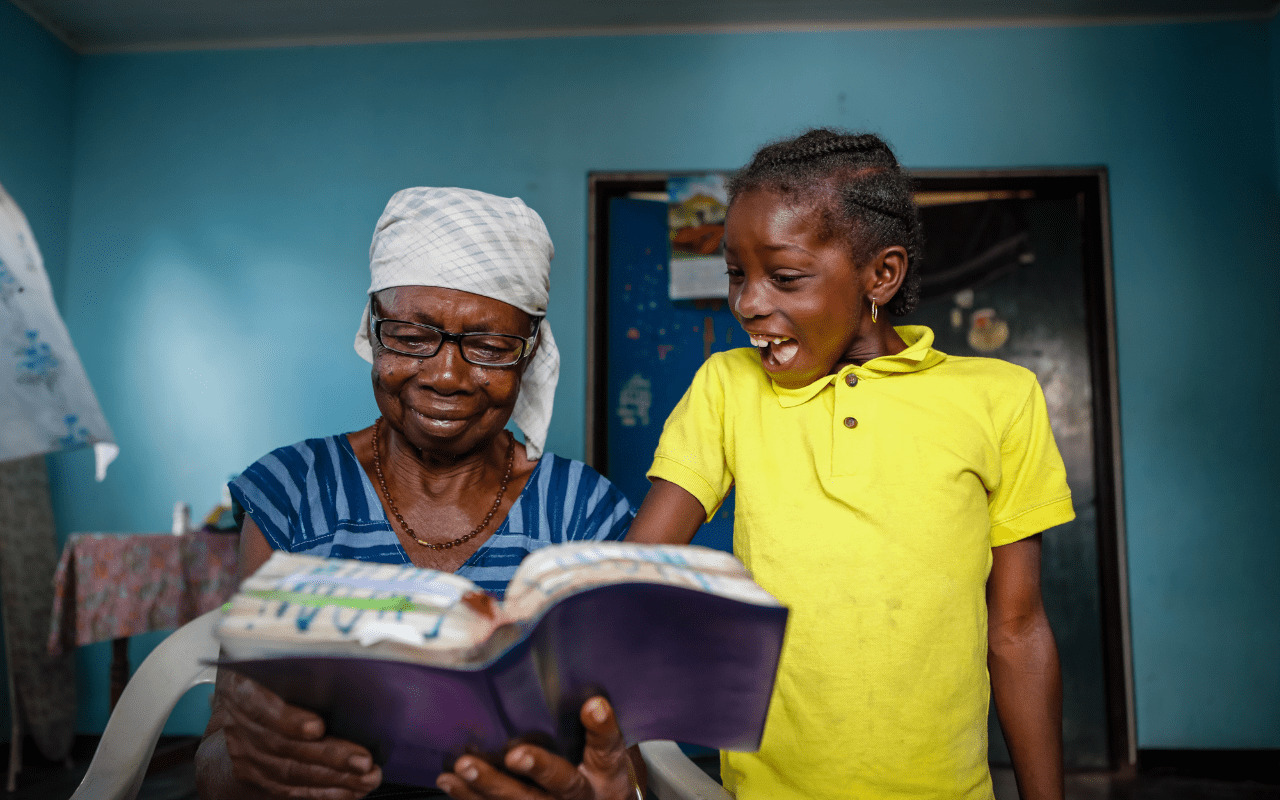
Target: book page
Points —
{"points": [[562, 570], [308, 605]]}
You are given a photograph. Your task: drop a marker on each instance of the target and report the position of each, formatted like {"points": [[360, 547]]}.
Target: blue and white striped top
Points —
{"points": [[314, 497]]}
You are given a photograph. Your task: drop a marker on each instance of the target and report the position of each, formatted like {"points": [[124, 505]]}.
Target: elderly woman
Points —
{"points": [[456, 332]]}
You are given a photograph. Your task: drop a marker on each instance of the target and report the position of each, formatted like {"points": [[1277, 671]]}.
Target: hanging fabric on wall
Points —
{"points": [[46, 403]]}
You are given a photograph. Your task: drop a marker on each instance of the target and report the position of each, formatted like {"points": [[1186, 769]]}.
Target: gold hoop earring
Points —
{"points": [[873, 310]]}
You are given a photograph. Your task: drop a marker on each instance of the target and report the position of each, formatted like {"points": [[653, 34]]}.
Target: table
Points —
{"points": [[113, 586]]}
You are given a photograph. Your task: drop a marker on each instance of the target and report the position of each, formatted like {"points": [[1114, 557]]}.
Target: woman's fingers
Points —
{"points": [[269, 710], [605, 750], [473, 779], [561, 779], [266, 723], [246, 737], [455, 787], [282, 749], [318, 773], [301, 785], [605, 772]]}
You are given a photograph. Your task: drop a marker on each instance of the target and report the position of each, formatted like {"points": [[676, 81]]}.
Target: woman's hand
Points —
{"points": [[277, 750], [259, 746], [606, 771]]}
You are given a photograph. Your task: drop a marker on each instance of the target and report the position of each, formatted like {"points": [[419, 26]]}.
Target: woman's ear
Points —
{"points": [[889, 270]]}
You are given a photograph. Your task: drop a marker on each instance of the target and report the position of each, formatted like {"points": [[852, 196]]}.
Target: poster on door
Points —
{"points": [[696, 210]]}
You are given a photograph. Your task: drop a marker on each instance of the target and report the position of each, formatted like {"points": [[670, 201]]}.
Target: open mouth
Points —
{"points": [[775, 350]]}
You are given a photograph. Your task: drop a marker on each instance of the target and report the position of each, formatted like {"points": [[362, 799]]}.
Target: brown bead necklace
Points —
{"points": [[497, 501]]}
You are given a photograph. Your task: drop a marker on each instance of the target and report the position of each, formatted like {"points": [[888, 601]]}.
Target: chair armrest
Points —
{"points": [[124, 752], [673, 776]]}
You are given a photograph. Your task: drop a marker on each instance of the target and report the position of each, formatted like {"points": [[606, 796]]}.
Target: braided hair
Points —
{"points": [[857, 188]]}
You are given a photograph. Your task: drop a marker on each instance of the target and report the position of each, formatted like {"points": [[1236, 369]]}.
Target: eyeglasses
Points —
{"points": [[424, 341]]}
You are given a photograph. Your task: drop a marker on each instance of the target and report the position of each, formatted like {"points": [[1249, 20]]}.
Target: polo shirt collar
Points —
{"points": [[919, 355]]}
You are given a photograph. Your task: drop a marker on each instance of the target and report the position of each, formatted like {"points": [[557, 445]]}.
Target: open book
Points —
{"points": [[406, 662]]}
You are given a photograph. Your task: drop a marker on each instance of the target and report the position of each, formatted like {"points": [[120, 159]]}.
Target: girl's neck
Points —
{"points": [[880, 340]]}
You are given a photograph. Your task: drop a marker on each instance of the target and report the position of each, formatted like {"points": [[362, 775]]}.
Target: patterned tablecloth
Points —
{"points": [[110, 586]]}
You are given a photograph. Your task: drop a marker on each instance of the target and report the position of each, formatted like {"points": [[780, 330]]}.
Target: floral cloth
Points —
{"points": [[108, 586], [46, 403]]}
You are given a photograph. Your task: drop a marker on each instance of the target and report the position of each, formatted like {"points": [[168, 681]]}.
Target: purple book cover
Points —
{"points": [[676, 663]]}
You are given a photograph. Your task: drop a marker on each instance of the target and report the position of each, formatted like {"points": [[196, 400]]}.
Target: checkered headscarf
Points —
{"points": [[474, 242]]}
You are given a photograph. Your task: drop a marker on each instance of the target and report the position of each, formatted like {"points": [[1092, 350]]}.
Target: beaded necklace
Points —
{"points": [[386, 493]]}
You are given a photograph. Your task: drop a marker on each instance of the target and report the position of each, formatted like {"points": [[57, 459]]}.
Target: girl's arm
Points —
{"points": [[1026, 680], [668, 515]]}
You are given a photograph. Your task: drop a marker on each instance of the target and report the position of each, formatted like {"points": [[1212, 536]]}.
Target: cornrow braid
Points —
{"points": [[814, 145], [857, 187], [875, 205]]}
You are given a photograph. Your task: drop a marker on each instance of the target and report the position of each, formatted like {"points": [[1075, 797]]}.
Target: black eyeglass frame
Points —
{"points": [[526, 342]]}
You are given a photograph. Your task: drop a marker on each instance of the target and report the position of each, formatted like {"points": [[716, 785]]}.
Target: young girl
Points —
{"points": [[889, 494]]}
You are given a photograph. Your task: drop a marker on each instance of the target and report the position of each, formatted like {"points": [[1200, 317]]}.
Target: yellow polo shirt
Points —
{"points": [[868, 502]]}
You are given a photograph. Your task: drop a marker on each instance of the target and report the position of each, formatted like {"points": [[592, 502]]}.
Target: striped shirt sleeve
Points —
{"points": [[273, 493]]}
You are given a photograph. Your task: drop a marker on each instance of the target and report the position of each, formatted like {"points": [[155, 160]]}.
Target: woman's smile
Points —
{"points": [[440, 406], [443, 415], [438, 415]]}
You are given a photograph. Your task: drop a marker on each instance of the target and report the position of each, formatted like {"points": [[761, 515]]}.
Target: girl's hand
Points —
{"points": [[281, 750], [605, 772]]}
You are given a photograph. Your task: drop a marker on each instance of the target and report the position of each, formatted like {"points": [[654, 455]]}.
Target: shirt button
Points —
{"points": [[851, 379], [850, 422]]}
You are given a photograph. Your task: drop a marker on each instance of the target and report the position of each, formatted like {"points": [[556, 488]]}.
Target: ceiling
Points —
{"points": [[98, 26]]}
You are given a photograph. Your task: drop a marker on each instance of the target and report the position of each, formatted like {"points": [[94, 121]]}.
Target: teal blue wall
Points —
{"points": [[223, 203], [37, 75]]}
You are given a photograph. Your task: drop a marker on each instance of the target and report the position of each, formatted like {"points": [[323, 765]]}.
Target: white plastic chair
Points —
{"points": [[176, 665], [673, 776], [127, 744]]}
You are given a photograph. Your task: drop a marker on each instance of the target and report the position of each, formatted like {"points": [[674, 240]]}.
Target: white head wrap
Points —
{"points": [[475, 242]]}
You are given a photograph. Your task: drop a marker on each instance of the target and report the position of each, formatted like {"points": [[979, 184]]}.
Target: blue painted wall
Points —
{"points": [[223, 204], [37, 75]]}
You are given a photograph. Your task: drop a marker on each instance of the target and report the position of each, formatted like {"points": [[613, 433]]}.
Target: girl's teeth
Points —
{"points": [[765, 341], [781, 348], [786, 352]]}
